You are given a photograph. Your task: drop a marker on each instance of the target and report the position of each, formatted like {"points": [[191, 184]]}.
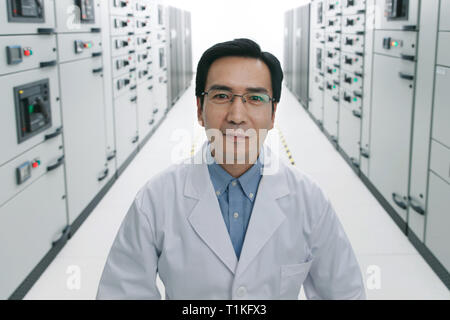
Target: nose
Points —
{"points": [[237, 111]]}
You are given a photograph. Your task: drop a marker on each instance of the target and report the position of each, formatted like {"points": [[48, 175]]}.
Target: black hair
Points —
{"points": [[240, 48]]}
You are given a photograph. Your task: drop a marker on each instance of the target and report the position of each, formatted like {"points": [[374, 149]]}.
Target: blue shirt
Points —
{"points": [[236, 197]]}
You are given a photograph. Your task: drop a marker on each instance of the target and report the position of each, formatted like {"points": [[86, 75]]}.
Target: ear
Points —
{"points": [[200, 113], [273, 114]]}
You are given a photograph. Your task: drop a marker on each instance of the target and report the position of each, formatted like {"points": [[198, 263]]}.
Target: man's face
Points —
{"points": [[241, 128]]}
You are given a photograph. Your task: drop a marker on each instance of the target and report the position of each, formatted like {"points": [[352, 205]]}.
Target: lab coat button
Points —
{"points": [[241, 291]]}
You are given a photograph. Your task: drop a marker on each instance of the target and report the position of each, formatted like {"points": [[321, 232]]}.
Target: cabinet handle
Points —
{"points": [[56, 165], [355, 162], [54, 134], [365, 153], [321, 88], [410, 28], [105, 174], [416, 206], [47, 64], [152, 122], [97, 70], [359, 74], [96, 54], [408, 57], [406, 76], [46, 30], [134, 99], [135, 139], [111, 156], [150, 88], [335, 99], [356, 113], [398, 202], [96, 30], [357, 94]]}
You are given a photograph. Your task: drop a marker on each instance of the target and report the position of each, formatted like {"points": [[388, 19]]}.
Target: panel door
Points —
{"points": [[84, 132], [391, 128]]}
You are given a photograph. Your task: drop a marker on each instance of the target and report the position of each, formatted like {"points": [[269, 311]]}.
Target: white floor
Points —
{"points": [[391, 266]]}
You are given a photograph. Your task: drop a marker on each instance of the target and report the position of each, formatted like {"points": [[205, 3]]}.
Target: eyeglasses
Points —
{"points": [[224, 97]]}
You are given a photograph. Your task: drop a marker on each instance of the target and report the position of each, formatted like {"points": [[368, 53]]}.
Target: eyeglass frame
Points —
{"points": [[271, 99]]}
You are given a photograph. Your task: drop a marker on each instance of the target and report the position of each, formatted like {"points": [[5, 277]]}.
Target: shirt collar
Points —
{"points": [[249, 181]]}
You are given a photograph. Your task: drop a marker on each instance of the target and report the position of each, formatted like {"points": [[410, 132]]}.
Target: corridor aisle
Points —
{"points": [[391, 267]]}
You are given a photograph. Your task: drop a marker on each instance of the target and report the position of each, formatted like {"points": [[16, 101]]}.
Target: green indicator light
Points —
{"points": [[355, 99], [39, 162], [30, 108], [334, 87], [356, 79], [334, 70]]}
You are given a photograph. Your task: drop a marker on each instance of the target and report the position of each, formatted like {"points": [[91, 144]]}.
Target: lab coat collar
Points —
{"points": [[207, 220]]}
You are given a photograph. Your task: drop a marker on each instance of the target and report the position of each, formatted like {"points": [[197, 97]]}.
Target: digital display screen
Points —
{"points": [[14, 54]]}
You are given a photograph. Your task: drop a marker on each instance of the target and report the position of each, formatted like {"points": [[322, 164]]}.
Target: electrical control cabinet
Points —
{"points": [[397, 15], [25, 52], [86, 163], [438, 219], [122, 25], [31, 223], [146, 96], [127, 137], [27, 17], [121, 7], [350, 125], [22, 171], [122, 45], [331, 109], [350, 7], [380, 71], [77, 16], [76, 46], [33, 104]]}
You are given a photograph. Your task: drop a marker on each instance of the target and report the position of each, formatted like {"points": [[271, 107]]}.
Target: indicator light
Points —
{"points": [[35, 164], [355, 99], [30, 109], [356, 79]]}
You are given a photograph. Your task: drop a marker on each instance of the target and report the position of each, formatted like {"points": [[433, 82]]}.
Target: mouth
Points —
{"points": [[235, 136]]}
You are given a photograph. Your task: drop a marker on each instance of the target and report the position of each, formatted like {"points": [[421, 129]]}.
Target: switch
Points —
{"points": [[33, 111], [36, 163], [14, 54], [27, 52]]}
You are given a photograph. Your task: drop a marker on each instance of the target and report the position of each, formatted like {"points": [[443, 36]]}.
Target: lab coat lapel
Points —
{"points": [[206, 217], [267, 215]]}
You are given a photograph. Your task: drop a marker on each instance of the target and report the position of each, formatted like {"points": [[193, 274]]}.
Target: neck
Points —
{"points": [[236, 170]]}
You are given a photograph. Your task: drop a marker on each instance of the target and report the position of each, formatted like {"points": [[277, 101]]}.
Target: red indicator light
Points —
{"points": [[35, 165], [27, 53]]}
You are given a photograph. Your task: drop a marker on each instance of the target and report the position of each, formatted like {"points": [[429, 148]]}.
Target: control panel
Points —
{"points": [[30, 11], [33, 113], [87, 10], [396, 9]]}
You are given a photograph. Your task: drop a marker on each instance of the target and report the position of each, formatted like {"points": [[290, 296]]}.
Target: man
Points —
{"points": [[224, 228]]}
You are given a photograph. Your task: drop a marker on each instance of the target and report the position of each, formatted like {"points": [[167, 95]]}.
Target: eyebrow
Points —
{"points": [[248, 89]]}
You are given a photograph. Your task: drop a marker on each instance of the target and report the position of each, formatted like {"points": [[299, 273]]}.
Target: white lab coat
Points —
{"points": [[175, 227]]}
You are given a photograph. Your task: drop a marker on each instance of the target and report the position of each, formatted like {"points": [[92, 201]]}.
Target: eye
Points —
{"points": [[220, 96], [256, 98]]}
